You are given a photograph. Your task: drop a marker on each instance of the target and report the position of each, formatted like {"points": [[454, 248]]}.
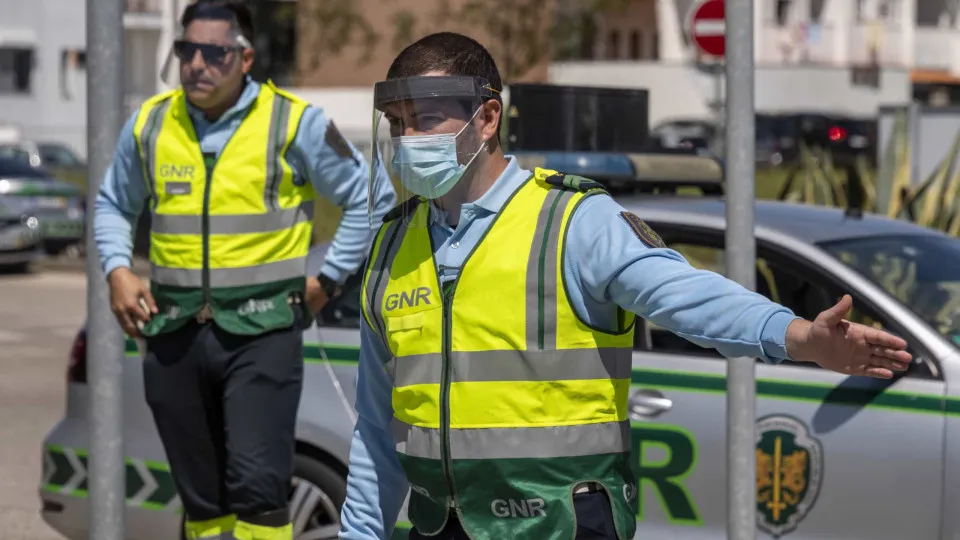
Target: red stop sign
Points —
{"points": [[708, 29]]}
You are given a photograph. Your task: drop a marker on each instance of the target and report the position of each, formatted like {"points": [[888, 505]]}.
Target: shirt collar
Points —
{"points": [[509, 180], [512, 177], [249, 94]]}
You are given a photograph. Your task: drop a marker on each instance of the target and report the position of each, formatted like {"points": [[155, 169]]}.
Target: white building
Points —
{"points": [[805, 50]]}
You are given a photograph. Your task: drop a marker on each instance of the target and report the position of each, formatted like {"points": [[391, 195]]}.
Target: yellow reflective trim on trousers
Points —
{"points": [[249, 531], [514, 404], [211, 529]]}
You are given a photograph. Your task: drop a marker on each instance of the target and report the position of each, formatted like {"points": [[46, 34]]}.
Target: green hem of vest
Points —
{"points": [[245, 310]]}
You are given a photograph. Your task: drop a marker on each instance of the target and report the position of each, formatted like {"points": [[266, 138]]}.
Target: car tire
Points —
{"points": [[318, 490], [316, 497]]}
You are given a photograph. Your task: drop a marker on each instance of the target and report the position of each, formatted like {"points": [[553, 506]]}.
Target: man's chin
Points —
{"points": [[201, 97]]}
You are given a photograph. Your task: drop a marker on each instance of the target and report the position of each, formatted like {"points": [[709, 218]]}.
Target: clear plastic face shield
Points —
{"points": [[424, 135]]}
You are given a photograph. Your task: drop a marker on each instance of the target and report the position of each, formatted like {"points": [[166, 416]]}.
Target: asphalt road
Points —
{"points": [[39, 315]]}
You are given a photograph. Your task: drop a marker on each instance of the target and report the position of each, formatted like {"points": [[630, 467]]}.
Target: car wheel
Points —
{"points": [[316, 496]]}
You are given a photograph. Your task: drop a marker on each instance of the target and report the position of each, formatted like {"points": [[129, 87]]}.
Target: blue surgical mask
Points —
{"points": [[427, 164]]}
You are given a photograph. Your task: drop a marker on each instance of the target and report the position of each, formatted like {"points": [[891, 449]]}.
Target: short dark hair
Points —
{"points": [[236, 12], [451, 53]]}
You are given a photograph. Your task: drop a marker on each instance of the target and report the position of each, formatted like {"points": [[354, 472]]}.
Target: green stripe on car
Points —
{"points": [[711, 383]]}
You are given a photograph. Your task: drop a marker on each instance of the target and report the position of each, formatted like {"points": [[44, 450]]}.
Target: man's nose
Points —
{"points": [[197, 62]]}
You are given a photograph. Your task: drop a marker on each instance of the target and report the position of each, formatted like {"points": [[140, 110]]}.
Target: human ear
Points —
{"points": [[246, 61], [490, 116]]}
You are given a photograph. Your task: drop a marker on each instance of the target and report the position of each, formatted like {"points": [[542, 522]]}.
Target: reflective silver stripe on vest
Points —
{"points": [[542, 271], [563, 365], [276, 140], [273, 220], [380, 265], [507, 443], [231, 277], [151, 132]]}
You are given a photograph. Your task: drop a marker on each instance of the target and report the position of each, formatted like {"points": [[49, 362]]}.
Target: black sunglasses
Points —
{"points": [[212, 54]]}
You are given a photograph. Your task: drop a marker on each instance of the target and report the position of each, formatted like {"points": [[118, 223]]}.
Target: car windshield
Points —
{"points": [[11, 168], [923, 272]]}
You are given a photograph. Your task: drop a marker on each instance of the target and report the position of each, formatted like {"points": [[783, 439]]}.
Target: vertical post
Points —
{"points": [[740, 263], [720, 137], [105, 114]]}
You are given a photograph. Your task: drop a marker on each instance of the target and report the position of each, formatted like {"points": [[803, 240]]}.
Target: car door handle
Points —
{"points": [[645, 404]]}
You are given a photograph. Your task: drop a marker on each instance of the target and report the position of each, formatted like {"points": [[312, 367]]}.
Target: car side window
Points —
{"points": [[777, 279]]}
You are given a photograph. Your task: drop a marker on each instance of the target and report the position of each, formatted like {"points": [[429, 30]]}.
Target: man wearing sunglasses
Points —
{"points": [[229, 169]]}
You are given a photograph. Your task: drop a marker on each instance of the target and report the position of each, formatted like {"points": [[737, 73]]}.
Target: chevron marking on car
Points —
{"points": [[78, 469], [149, 484]]}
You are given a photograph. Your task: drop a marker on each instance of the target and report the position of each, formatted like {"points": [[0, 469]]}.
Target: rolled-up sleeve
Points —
{"points": [[338, 172], [611, 263], [119, 203]]}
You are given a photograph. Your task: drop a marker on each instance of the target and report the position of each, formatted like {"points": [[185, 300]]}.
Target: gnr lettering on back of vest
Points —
{"points": [[176, 171], [512, 508], [410, 298]]}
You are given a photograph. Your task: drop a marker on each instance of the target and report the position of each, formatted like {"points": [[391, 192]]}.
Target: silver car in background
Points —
{"points": [[20, 239], [837, 457], [58, 205]]}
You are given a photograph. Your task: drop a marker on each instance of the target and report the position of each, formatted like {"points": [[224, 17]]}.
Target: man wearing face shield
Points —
{"points": [[499, 308], [230, 169]]}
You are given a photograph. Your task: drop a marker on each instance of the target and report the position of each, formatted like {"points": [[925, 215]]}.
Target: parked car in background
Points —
{"points": [[838, 457], [845, 137], [20, 239], [57, 205], [57, 158]]}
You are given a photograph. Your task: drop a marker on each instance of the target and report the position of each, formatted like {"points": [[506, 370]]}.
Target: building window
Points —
{"points": [[16, 69], [613, 48], [635, 45], [783, 12]]}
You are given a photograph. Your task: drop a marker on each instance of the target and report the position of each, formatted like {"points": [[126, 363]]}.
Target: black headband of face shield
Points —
{"points": [[424, 86]]}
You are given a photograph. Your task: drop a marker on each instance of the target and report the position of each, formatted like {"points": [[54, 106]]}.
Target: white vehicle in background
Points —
{"points": [[837, 457]]}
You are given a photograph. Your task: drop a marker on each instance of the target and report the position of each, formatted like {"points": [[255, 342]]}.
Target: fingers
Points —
{"points": [[883, 339], [129, 325], [887, 363], [148, 298], [898, 355], [835, 314], [878, 373]]}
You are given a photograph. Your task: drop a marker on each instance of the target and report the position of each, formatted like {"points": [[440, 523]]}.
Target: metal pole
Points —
{"points": [[105, 351], [740, 263]]}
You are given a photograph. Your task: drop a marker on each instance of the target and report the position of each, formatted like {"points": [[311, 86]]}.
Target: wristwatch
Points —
{"points": [[329, 286]]}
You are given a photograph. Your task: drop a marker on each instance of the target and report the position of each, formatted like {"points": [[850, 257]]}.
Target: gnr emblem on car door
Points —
{"points": [[789, 473]]}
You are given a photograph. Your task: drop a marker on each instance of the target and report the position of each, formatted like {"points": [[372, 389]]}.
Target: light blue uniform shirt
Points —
{"points": [[605, 264], [341, 180]]}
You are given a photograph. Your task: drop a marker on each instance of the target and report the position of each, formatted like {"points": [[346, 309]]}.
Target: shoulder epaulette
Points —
{"points": [[576, 183], [406, 206]]}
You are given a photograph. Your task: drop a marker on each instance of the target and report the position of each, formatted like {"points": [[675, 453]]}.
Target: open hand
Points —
{"points": [[846, 347], [130, 300]]}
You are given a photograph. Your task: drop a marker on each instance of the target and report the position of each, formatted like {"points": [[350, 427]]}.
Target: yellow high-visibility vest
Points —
{"points": [[504, 400], [228, 232]]}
